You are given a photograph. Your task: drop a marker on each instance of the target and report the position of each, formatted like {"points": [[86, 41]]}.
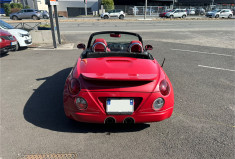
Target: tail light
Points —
{"points": [[164, 87], [74, 86]]}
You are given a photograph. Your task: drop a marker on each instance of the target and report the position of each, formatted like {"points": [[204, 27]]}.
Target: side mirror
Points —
{"points": [[148, 47], [81, 46]]}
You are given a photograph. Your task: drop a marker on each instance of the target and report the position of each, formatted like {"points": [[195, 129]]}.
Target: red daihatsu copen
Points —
{"points": [[117, 80]]}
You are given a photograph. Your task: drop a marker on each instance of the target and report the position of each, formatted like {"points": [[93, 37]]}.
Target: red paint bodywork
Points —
{"points": [[118, 77], [163, 14], [5, 45]]}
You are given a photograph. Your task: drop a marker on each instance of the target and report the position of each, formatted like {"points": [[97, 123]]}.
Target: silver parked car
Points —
{"points": [[26, 14], [113, 13], [176, 13], [45, 14], [222, 13]]}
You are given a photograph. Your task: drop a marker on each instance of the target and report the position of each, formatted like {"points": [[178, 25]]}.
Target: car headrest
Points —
{"points": [[99, 45], [136, 46]]}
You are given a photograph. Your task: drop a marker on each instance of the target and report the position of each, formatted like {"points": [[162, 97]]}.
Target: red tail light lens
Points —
{"points": [[74, 86], [164, 87]]}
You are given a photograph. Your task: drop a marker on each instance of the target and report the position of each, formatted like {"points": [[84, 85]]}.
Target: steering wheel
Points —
{"points": [[94, 45]]}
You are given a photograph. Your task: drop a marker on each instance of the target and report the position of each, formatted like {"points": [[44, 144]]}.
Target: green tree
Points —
{"points": [[19, 5], [108, 4], [13, 5], [7, 8], [26, 7]]}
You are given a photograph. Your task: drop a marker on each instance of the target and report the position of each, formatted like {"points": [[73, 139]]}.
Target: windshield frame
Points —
{"points": [[5, 25], [113, 32]]}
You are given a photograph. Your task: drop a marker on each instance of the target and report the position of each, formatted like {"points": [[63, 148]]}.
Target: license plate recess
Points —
{"points": [[120, 106]]}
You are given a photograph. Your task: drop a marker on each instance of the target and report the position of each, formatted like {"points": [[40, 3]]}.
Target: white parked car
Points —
{"points": [[177, 13], [190, 11], [23, 37], [220, 13], [113, 13]]}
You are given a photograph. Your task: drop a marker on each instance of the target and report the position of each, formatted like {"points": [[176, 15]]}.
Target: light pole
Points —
{"points": [[145, 11]]}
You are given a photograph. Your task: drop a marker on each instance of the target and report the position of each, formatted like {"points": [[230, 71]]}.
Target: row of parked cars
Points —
{"points": [[12, 39], [29, 14], [182, 13]]}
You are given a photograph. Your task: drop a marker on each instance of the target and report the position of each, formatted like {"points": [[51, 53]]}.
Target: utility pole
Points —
{"points": [[173, 4], [145, 11], [85, 1], [54, 3], [52, 25]]}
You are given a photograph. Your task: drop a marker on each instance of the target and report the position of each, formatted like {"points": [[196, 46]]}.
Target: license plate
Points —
{"points": [[13, 43], [120, 106]]}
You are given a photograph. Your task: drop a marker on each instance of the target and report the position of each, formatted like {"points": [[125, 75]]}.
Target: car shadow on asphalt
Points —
{"points": [[45, 109]]}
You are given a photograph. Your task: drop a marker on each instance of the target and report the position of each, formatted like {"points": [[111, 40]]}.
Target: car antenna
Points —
{"points": [[163, 62]]}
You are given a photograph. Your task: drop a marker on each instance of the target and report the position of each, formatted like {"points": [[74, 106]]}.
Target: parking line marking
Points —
{"points": [[224, 69], [202, 52]]}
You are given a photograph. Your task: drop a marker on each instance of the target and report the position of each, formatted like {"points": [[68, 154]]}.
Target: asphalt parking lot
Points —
{"points": [[199, 62]]}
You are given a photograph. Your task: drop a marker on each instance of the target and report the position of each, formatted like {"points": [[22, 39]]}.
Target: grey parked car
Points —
{"points": [[26, 14], [45, 14]]}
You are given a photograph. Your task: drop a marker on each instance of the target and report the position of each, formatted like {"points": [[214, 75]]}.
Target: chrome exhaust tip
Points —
{"points": [[129, 120], [109, 120]]}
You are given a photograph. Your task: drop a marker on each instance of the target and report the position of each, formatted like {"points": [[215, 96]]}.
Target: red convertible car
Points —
{"points": [[116, 80]]}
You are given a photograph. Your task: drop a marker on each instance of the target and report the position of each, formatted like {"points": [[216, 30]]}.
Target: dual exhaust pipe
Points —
{"points": [[112, 120]]}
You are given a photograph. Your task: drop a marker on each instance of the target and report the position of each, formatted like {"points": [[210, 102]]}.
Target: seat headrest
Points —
{"points": [[99, 45], [136, 46]]}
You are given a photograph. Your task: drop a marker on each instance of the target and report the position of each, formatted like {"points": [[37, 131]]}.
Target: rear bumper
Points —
{"points": [[138, 117], [96, 111], [7, 48]]}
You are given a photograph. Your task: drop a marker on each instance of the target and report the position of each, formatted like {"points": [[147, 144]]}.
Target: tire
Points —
{"points": [[171, 16], [17, 47], [121, 17], [230, 16], [184, 16], [15, 18], [34, 17], [106, 17], [45, 17], [217, 16]]}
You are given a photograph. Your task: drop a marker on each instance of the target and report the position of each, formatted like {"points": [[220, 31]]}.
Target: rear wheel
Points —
{"points": [[230, 16], [106, 17], [15, 18], [34, 17], [184, 16], [45, 17], [121, 17]]}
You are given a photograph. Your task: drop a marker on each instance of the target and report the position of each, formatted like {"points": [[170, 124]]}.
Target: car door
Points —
{"points": [[20, 14], [221, 13], [176, 13], [112, 13], [117, 12], [29, 13]]}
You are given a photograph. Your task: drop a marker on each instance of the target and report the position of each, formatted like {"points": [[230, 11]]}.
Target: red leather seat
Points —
{"points": [[136, 46], [100, 45]]}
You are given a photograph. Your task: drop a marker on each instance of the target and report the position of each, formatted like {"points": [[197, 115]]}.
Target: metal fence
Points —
{"points": [[155, 10], [140, 10]]}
